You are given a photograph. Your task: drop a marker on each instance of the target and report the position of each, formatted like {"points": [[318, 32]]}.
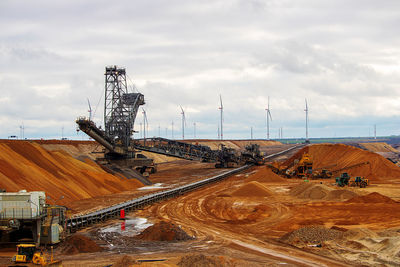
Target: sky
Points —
{"points": [[342, 56]]}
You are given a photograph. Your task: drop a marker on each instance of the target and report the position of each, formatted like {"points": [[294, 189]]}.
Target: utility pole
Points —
{"points": [[222, 118], [306, 110], [22, 131]]}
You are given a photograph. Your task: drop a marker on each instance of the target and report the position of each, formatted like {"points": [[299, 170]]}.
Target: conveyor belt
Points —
{"points": [[82, 221]]}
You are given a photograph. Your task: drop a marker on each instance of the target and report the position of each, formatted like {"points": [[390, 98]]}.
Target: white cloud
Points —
{"points": [[342, 56]]}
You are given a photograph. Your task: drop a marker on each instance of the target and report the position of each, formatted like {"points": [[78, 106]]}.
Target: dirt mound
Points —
{"points": [[55, 172], [252, 189], [164, 231], [265, 175], [341, 156], [79, 244], [340, 194], [200, 260], [359, 233], [320, 192], [125, 261], [378, 147], [373, 197], [311, 234]]}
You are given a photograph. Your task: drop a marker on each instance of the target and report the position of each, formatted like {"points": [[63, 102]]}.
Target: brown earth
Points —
{"points": [[27, 165], [247, 228]]}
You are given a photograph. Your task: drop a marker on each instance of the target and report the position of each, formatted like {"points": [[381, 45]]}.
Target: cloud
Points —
{"points": [[342, 56]]}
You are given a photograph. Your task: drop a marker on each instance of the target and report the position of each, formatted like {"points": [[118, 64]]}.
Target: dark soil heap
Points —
{"points": [[201, 260], [79, 244], [311, 234], [164, 231]]}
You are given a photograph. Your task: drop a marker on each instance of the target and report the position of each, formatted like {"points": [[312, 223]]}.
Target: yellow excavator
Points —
{"points": [[27, 253]]}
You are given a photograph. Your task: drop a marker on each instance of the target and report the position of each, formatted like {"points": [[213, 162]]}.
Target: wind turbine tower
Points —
{"points": [[183, 123], [221, 107], [306, 110], [375, 131], [268, 110], [145, 124]]}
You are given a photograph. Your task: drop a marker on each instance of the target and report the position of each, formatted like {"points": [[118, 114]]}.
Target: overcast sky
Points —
{"points": [[343, 56]]}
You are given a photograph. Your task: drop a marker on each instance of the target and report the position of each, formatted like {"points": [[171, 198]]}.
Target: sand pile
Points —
{"points": [[320, 192], [252, 189], [342, 155], [27, 165], [311, 234], [79, 244], [265, 175], [201, 260], [373, 197], [164, 231]]}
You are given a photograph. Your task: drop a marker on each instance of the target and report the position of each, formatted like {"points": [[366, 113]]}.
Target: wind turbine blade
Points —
{"points": [[220, 99], [269, 114], [183, 112], [306, 105]]}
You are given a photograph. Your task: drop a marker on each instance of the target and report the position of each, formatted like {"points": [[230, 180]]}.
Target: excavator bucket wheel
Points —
{"points": [[363, 184]]}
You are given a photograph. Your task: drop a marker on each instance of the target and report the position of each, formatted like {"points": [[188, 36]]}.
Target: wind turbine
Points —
{"points": [[306, 110], [268, 114], [183, 123], [172, 129], [194, 128], [145, 124], [222, 117], [90, 110]]}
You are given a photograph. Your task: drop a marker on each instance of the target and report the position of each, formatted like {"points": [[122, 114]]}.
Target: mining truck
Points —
{"points": [[359, 181]]}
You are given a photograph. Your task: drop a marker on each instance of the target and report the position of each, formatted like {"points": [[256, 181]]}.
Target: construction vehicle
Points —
{"points": [[343, 179], [301, 168], [27, 253], [322, 174], [359, 181], [253, 155], [227, 158]]}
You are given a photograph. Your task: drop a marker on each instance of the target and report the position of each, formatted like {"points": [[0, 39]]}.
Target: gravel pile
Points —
{"points": [[311, 234]]}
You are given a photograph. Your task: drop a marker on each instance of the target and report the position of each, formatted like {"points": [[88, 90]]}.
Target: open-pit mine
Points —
{"points": [[118, 201]]}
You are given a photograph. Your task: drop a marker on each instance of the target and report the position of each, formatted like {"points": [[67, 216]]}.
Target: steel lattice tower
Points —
{"points": [[120, 108]]}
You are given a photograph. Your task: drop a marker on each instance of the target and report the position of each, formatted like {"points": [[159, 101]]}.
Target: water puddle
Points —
{"points": [[129, 227]]}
